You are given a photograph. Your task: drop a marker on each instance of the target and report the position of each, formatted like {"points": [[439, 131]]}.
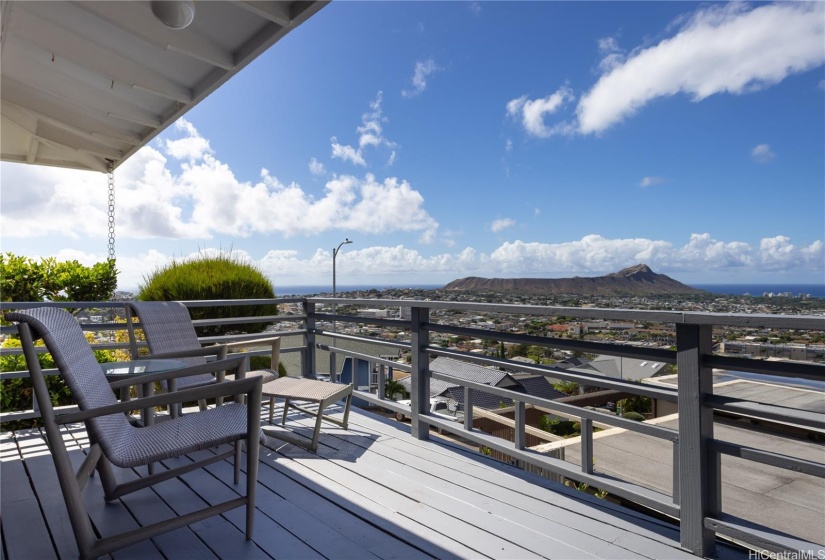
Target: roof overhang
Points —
{"points": [[88, 83]]}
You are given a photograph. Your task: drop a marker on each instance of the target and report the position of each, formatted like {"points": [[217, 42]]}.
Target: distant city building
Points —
{"points": [[374, 313]]}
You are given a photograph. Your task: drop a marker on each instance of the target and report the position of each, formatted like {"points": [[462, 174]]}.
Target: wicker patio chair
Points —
{"points": [[169, 333], [115, 441]]}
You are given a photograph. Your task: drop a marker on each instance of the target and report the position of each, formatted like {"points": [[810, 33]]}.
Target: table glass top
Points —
{"points": [[140, 367]]}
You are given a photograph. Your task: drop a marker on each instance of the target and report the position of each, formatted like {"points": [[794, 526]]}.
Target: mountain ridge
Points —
{"points": [[634, 280]]}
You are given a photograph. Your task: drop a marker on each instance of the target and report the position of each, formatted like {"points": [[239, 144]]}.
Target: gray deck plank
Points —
{"points": [[112, 518], [44, 477], [376, 513], [325, 541], [148, 507], [522, 525], [17, 495], [573, 529], [333, 514], [538, 514], [269, 536], [368, 483], [480, 467]]}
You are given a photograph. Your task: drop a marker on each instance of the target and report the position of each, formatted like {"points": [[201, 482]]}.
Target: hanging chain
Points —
{"points": [[111, 176]]}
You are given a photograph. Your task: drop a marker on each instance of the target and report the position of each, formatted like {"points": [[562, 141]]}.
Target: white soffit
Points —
{"points": [[87, 82]]}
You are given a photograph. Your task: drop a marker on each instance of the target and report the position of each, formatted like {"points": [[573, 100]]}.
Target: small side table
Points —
{"points": [[300, 389]]}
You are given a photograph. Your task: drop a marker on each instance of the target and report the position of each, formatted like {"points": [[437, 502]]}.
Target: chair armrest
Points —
{"points": [[215, 350], [274, 342], [238, 364], [248, 386]]}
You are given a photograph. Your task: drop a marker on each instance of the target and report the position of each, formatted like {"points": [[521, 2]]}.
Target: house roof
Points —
{"points": [[85, 83], [292, 360], [531, 385], [467, 371], [536, 386], [462, 370], [622, 368], [539, 386]]}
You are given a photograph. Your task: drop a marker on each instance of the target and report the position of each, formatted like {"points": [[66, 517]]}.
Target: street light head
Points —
{"points": [[347, 241]]}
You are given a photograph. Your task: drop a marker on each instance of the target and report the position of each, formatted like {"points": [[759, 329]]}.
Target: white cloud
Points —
{"points": [[592, 255], [508, 145], [370, 134], [192, 146], [502, 224], [423, 69], [611, 53], [762, 153], [347, 153], [38, 201], [532, 112], [475, 7], [203, 200], [651, 181], [316, 167], [721, 49]]}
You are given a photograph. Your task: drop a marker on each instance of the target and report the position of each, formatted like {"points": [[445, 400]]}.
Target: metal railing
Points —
{"points": [[695, 499]]}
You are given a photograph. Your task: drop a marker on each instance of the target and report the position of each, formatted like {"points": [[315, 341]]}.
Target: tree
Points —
{"points": [[567, 387], [392, 388], [24, 279], [206, 277]]}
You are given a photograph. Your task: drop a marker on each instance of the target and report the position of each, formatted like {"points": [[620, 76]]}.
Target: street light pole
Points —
{"points": [[332, 368], [334, 255]]}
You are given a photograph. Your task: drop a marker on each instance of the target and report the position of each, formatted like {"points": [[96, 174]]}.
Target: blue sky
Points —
{"points": [[496, 139]]}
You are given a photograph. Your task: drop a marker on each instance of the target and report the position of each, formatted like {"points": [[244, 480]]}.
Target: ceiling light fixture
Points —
{"points": [[175, 14]]}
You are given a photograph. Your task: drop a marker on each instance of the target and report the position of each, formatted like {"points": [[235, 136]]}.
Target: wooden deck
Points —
{"points": [[371, 491]]}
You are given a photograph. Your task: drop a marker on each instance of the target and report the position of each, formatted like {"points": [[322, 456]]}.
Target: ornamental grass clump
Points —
{"points": [[210, 277]]}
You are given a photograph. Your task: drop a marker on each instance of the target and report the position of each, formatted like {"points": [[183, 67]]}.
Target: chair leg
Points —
{"points": [[286, 409], [271, 408], [237, 462], [346, 411], [253, 443], [317, 431], [252, 452]]}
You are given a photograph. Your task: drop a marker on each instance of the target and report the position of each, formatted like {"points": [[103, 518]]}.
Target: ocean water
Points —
{"points": [[815, 290]]}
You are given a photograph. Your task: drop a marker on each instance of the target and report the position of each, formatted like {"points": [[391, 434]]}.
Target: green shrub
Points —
{"points": [[633, 416], [265, 362], [219, 277], [560, 427], [17, 393]]}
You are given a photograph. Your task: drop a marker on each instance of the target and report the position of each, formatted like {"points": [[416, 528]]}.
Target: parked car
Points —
{"points": [[438, 407]]}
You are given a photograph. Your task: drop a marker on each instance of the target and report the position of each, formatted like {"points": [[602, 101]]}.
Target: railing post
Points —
{"points": [[468, 409], [675, 483], [382, 380], [420, 372], [587, 445], [308, 354], [518, 437], [698, 477]]}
